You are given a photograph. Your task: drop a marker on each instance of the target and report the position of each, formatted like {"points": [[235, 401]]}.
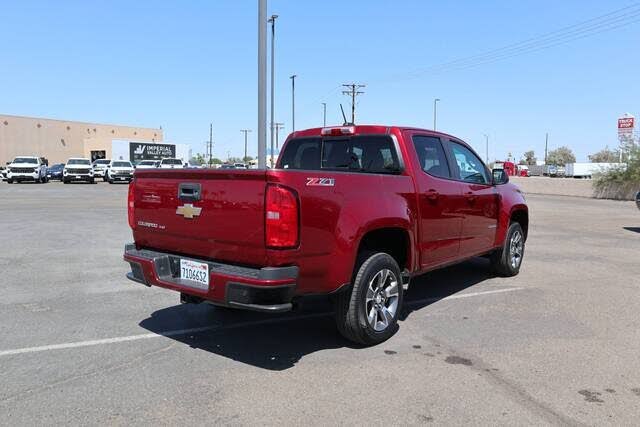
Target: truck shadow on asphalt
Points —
{"points": [[634, 229], [278, 342]]}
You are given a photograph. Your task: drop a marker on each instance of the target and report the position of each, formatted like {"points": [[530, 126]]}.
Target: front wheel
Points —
{"points": [[507, 260], [368, 312]]}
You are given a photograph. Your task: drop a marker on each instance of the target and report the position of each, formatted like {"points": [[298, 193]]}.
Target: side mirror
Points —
{"points": [[500, 176]]}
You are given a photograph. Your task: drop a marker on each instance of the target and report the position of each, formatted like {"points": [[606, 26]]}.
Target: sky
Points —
{"points": [[183, 65]]}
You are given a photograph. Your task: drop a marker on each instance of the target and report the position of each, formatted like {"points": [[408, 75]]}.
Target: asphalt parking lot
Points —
{"points": [[79, 344]]}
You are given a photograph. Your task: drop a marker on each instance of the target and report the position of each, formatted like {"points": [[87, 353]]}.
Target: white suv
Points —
{"points": [[100, 167], [119, 170], [27, 168], [78, 169], [171, 164]]}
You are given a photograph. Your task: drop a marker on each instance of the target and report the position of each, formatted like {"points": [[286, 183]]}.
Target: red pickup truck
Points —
{"points": [[353, 212]]}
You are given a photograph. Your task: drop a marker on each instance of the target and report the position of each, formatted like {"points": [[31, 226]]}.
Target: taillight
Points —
{"points": [[281, 218], [131, 204]]}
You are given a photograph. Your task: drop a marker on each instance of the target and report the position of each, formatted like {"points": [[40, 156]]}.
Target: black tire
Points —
{"points": [[352, 308], [64, 181], [507, 260], [9, 181]]}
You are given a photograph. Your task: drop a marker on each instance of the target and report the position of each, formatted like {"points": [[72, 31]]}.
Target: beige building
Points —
{"points": [[58, 140]]}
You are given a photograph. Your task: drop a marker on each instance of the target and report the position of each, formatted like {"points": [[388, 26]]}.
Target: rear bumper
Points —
{"points": [[268, 289]]}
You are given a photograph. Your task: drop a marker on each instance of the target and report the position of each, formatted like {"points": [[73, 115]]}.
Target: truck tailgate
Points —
{"points": [[223, 221]]}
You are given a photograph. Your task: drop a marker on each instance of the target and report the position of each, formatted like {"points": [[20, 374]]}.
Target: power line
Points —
{"points": [[353, 91], [607, 22]]}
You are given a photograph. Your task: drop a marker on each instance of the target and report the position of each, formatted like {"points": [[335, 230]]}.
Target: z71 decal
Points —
{"points": [[321, 182]]}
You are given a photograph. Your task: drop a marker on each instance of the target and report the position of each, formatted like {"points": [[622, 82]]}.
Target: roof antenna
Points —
{"points": [[344, 117]]}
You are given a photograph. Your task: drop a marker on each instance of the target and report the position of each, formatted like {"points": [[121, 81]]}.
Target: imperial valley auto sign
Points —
{"points": [[139, 151]]}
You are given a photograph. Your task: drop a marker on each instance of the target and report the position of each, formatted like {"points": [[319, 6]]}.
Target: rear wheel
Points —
{"points": [[368, 312], [9, 181], [507, 260]]}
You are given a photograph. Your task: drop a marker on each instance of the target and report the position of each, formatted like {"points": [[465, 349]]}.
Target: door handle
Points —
{"points": [[432, 194], [470, 197]]}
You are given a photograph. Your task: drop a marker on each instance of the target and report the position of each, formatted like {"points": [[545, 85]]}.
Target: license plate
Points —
{"points": [[122, 178], [78, 177], [195, 272]]}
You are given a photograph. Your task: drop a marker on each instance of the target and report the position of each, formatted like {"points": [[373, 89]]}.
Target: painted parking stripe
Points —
{"points": [[175, 332]]}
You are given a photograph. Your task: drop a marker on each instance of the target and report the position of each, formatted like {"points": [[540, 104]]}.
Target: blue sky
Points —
{"points": [[182, 65]]}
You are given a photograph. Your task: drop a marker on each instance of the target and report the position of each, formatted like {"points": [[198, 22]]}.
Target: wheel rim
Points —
{"points": [[516, 249], [381, 301]]}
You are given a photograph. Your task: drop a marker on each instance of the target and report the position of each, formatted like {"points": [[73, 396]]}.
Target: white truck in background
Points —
{"points": [[587, 170]]}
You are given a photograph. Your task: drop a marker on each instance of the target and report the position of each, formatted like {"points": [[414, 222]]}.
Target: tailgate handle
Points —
{"points": [[189, 192]]}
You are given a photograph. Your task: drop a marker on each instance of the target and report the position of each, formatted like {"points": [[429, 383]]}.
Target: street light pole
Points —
{"points": [[435, 112], [293, 102], [245, 131], [272, 21], [324, 114], [262, 83], [278, 126]]}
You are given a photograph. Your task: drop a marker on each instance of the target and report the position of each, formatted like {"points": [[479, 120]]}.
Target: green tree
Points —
{"points": [[247, 159], [561, 156], [605, 156], [198, 159], [216, 161], [529, 158]]}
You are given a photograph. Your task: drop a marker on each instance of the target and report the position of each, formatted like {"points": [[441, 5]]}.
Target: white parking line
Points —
{"points": [[175, 332]]}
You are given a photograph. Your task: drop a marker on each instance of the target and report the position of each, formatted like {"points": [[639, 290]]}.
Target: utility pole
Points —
{"points": [[324, 114], [272, 21], [435, 112], [245, 131], [486, 140], [262, 84], [210, 143], [278, 126], [546, 146], [353, 91], [293, 102]]}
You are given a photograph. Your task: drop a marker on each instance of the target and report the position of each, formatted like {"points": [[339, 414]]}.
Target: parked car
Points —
{"points": [[171, 164], [55, 171], [3, 173], [100, 168], [78, 169], [27, 168], [240, 166], [638, 199], [550, 170], [352, 212], [119, 171], [227, 166], [148, 164]]}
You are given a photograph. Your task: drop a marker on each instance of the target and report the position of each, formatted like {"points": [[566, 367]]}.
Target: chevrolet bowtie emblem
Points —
{"points": [[188, 211]]}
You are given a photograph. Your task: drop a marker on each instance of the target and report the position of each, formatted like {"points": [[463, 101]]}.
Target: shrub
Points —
{"points": [[622, 182]]}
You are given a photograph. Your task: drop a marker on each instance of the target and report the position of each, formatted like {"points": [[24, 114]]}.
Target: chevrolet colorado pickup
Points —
{"points": [[353, 212]]}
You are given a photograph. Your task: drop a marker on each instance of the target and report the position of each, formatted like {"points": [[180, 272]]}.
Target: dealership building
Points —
{"points": [[58, 140]]}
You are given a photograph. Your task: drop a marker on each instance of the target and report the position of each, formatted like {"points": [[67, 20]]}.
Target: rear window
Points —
{"points": [[366, 153]]}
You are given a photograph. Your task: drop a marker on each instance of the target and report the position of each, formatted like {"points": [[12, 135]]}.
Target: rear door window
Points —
{"points": [[431, 156]]}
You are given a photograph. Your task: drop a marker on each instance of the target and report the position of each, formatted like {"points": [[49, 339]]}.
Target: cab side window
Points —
{"points": [[470, 167], [431, 156]]}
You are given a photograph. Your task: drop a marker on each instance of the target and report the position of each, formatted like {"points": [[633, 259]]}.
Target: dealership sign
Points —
{"points": [[139, 151]]}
